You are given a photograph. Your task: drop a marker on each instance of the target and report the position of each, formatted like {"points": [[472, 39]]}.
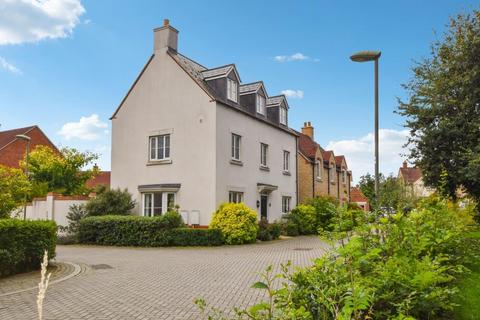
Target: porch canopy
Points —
{"points": [[161, 187], [266, 188]]}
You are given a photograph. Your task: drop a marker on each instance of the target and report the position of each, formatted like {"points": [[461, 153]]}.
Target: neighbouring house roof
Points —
{"points": [[307, 146], [102, 178], [251, 87], [8, 136], [340, 159], [219, 71], [327, 155], [276, 100], [356, 195], [410, 175]]}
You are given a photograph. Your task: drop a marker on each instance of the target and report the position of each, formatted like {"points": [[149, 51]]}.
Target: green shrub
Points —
{"points": [[325, 210], [237, 222], [268, 231], [165, 230], [289, 228], [69, 234], [22, 244], [110, 202], [305, 218]]}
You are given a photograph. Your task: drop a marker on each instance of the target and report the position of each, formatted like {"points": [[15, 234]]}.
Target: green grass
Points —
{"points": [[469, 297]]}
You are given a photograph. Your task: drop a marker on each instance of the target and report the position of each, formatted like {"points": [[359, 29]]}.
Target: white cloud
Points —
{"points": [[360, 152], [88, 128], [8, 66], [33, 20], [294, 57], [293, 93]]}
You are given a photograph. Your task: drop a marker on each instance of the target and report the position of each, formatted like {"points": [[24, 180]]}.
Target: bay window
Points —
{"points": [[157, 203]]}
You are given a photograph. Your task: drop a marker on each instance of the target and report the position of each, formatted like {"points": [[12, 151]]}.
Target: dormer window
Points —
{"points": [[283, 116], [261, 104], [232, 90]]}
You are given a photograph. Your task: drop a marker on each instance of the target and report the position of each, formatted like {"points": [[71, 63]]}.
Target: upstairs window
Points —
{"points": [[235, 197], [261, 104], [318, 169], [236, 146], [344, 176], [286, 161], [263, 154], [232, 90], [160, 147], [283, 116], [331, 177]]}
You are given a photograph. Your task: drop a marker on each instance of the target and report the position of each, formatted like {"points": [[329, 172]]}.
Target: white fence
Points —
{"points": [[52, 207]]}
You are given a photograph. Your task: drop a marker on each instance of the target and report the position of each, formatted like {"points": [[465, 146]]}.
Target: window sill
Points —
{"points": [[264, 168], [158, 162], [318, 179], [236, 162], [287, 173]]}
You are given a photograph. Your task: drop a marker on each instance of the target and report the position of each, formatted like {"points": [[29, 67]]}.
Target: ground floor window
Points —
{"points": [[286, 204], [235, 197], [156, 203]]}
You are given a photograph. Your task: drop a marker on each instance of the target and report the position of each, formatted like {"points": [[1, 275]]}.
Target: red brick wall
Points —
{"points": [[12, 154]]}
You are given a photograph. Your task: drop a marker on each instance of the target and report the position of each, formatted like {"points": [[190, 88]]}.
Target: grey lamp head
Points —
{"points": [[364, 56], [23, 137]]}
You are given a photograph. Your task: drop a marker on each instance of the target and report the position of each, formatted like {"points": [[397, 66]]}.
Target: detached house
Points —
{"points": [[320, 172], [194, 136], [411, 179]]}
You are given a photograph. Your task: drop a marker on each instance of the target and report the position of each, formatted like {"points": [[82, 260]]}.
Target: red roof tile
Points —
{"points": [[307, 146], [8, 136], [102, 178], [356, 195], [411, 175]]}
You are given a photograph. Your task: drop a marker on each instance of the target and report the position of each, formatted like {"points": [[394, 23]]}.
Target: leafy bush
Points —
{"points": [[268, 231], [75, 213], [404, 266], [14, 189], [110, 202], [237, 222], [22, 244], [304, 217], [165, 230], [325, 210]]}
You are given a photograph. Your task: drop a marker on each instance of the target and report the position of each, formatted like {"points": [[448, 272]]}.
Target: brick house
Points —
{"points": [[320, 172], [12, 149], [357, 196], [411, 179]]}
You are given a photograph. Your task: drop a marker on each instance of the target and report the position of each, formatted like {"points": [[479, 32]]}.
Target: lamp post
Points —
{"points": [[27, 139], [366, 56]]}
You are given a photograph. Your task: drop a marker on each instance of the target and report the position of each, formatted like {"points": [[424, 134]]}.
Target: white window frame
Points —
{"points": [[236, 146], [331, 175], [286, 161], [286, 202], [344, 176], [318, 169], [261, 102], [158, 153], [164, 207], [235, 196], [283, 115], [232, 90], [263, 154]]}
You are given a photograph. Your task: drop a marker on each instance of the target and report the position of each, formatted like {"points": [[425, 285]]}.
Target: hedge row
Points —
{"points": [[165, 230], [23, 243]]}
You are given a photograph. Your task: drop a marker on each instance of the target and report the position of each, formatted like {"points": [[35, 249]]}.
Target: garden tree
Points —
{"points": [[391, 192], [367, 186], [110, 202], [14, 189], [443, 109], [63, 172]]}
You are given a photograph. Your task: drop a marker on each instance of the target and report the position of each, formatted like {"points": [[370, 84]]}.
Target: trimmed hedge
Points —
{"points": [[165, 230], [268, 231], [23, 243]]}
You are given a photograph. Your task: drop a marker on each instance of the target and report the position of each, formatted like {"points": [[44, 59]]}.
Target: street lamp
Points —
{"points": [[28, 139], [366, 56]]}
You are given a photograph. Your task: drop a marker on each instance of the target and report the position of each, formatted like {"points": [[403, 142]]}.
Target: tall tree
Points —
{"points": [[65, 173], [443, 109]]}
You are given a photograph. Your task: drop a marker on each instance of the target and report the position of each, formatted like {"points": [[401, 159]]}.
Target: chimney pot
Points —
{"points": [[165, 37], [308, 129], [405, 164]]}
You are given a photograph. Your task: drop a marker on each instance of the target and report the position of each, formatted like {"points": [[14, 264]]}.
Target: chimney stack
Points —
{"points": [[308, 129], [405, 166], [165, 37]]}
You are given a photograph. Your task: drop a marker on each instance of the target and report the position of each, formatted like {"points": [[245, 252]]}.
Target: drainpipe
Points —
{"points": [[296, 169]]}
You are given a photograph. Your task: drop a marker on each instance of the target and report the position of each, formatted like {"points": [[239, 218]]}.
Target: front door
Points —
{"points": [[263, 206]]}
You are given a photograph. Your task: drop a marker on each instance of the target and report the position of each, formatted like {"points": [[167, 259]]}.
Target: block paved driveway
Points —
{"points": [[159, 283]]}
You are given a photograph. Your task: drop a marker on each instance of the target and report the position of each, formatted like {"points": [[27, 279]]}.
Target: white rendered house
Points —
{"points": [[197, 137]]}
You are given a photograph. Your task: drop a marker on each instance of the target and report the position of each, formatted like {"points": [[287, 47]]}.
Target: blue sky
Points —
{"points": [[61, 60]]}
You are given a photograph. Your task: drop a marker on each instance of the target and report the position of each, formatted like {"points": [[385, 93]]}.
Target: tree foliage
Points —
{"points": [[110, 202], [14, 189], [443, 109], [63, 172]]}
